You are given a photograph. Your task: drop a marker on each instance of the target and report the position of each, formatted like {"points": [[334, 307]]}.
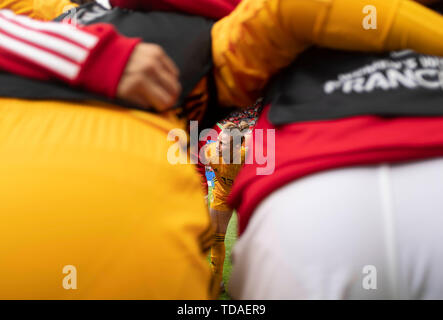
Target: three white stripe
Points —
{"points": [[13, 25], [56, 64]]}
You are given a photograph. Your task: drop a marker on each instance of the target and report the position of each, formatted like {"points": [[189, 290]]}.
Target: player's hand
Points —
{"points": [[150, 78]]}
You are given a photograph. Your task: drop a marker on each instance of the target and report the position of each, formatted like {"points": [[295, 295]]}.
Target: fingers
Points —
{"points": [[150, 79]]}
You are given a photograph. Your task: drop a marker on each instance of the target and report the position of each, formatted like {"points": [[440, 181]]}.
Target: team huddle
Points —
{"points": [[351, 117]]}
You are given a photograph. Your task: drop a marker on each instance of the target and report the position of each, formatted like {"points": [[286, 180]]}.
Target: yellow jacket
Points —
{"points": [[38, 9], [260, 37], [86, 188], [225, 173]]}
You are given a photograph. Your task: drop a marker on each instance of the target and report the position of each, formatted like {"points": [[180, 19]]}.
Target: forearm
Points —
{"points": [[261, 37], [214, 9]]}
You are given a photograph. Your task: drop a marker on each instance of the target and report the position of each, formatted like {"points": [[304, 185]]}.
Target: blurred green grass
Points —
{"points": [[230, 239]]}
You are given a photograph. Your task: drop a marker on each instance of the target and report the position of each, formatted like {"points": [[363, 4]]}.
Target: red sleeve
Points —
{"points": [[215, 9], [201, 168], [91, 57]]}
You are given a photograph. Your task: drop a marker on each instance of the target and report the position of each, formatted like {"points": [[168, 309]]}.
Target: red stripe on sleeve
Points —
{"points": [[90, 57]]}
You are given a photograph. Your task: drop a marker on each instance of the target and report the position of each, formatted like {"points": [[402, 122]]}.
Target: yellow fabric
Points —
{"points": [[418, 28], [38, 9], [89, 186], [225, 175], [262, 36]]}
